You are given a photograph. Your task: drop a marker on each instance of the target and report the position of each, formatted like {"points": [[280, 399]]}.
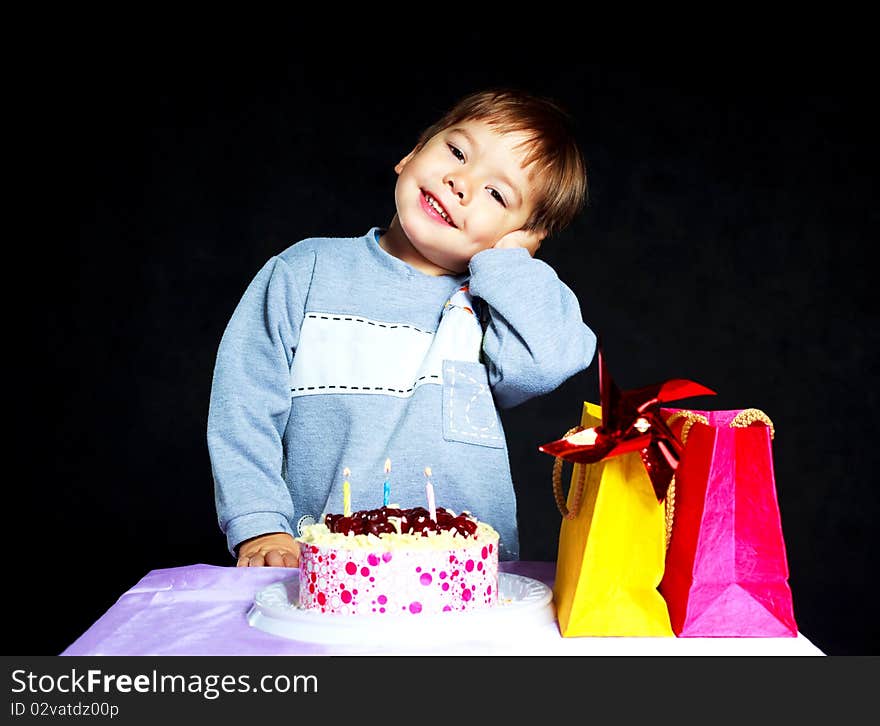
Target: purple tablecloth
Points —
{"points": [[203, 610]]}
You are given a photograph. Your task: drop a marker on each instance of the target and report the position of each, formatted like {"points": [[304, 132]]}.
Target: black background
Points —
{"points": [[727, 239]]}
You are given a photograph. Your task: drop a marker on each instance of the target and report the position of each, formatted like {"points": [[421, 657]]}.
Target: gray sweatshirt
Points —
{"points": [[340, 355]]}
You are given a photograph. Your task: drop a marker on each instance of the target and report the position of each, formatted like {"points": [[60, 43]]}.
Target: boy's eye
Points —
{"points": [[456, 152]]}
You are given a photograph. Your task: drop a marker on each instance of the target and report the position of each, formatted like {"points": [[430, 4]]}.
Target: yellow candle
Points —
{"points": [[346, 493]]}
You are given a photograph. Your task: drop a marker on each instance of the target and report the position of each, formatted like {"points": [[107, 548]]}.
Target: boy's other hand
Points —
{"points": [[278, 549], [530, 241]]}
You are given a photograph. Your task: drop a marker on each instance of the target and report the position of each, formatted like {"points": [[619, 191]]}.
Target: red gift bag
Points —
{"points": [[726, 571]]}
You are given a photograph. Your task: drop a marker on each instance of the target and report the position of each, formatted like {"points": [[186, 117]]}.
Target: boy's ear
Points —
{"points": [[530, 240], [404, 161]]}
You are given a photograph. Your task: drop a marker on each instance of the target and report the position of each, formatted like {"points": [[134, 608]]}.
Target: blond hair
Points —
{"points": [[559, 176]]}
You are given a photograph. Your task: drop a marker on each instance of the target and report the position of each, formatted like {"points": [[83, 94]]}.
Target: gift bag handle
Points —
{"points": [[748, 416], [557, 484]]}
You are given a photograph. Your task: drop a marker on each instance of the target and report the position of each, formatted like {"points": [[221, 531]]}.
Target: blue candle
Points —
{"points": [[386, 489]]}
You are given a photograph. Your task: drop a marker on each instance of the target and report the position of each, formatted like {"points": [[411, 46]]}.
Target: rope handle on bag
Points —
{"points": [[748, 416], [557, 484]]}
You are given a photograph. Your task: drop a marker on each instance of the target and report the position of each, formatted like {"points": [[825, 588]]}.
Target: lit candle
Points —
{"points": [[346, 493], [429, 490], [386, 489]]}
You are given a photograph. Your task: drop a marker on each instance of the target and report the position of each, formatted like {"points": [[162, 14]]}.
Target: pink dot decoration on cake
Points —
{"points": [[398, 562]]}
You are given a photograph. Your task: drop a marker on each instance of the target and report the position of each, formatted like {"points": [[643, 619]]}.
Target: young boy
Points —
{"points": [[402, 343]]}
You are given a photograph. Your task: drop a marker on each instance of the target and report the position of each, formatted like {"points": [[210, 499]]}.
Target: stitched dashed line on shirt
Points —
{"points": [[368, 322], [366, 388]]}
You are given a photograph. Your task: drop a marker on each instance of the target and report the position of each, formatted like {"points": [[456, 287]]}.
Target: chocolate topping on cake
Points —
{"points": [[414, 520]]}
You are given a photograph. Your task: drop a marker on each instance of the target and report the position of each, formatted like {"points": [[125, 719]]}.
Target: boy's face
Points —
{"points": [[474, 172]]}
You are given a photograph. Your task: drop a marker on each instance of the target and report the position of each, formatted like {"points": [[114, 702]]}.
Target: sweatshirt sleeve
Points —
{"points": [[249, 406], [535, 338]]}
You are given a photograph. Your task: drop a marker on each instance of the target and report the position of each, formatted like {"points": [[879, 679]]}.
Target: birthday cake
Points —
{"points": [[393, 561]]}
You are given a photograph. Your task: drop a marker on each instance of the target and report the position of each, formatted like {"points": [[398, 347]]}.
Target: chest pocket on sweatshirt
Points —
{"points": [[469, 413]]}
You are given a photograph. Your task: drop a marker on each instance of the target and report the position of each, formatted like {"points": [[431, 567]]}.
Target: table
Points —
{"points": [[202, 610]]}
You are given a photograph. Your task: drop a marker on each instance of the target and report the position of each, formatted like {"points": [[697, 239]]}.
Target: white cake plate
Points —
{"points": [[522, 602]]}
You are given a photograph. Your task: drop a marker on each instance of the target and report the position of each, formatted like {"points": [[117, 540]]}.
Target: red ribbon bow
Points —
{"points": [[631, 421]]}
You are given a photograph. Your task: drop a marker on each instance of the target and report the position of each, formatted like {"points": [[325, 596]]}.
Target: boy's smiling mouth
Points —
{"points": [[434, 209]]}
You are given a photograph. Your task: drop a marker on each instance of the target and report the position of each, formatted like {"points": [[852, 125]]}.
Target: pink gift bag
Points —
{"points": [[726, 571]]}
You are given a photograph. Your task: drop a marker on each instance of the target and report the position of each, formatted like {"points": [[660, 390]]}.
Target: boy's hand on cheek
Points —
{"points": [[530, 241], [278, 549]]}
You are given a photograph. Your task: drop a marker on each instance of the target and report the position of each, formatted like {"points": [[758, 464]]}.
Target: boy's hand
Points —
{"points": [[278, 549], [520, 238]]}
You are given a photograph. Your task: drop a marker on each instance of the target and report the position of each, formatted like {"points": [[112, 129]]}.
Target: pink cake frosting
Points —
{"points": [[398, 573]]}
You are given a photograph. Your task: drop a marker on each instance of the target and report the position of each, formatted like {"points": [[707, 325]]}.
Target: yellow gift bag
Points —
{"points": [[612, 548]]}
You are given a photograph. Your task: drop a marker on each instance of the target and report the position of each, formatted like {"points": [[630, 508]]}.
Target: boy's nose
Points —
{"points": [[459, 186]]}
